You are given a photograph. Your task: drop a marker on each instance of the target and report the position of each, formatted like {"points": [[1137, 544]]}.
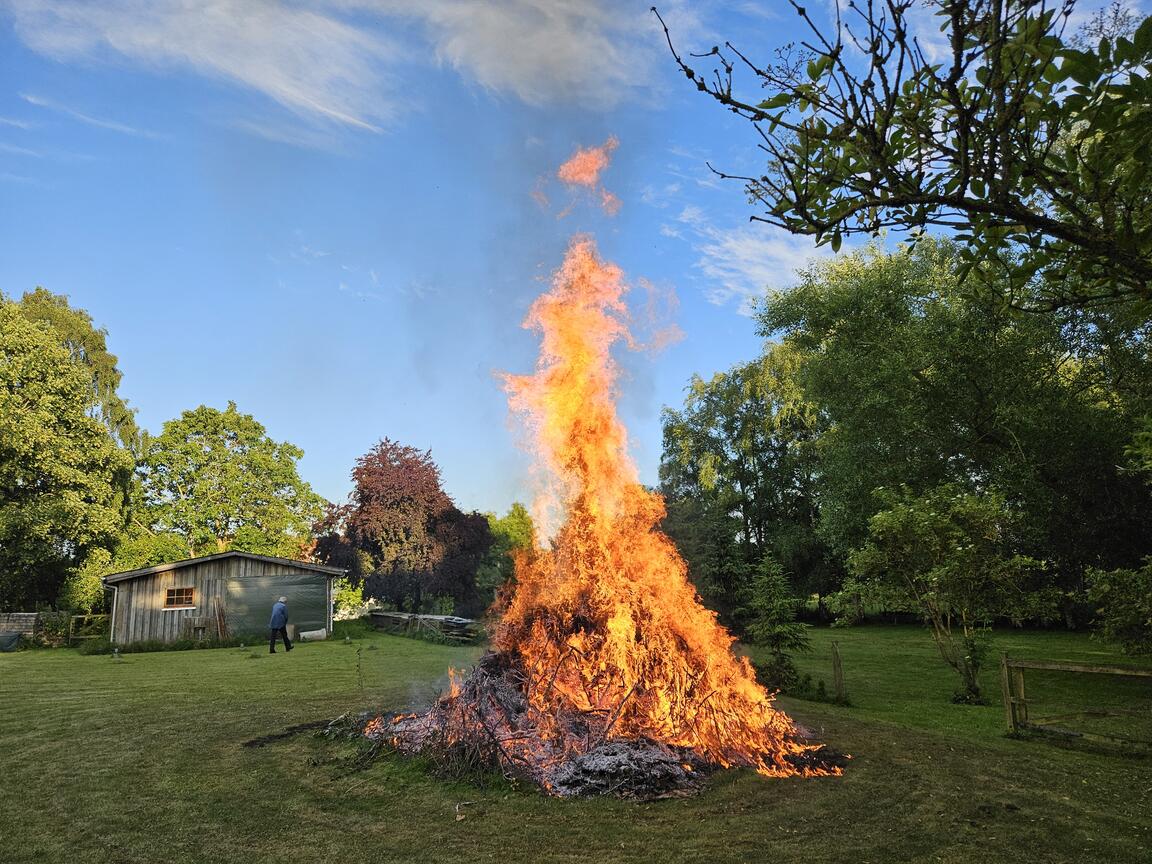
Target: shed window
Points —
{"points": [[177, 598]]}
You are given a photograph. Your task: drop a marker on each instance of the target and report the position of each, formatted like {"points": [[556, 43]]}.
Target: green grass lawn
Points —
{"points": [[139, 760]]}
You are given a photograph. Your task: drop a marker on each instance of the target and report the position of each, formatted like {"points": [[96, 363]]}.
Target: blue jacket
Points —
{"points": [[279, 616]]}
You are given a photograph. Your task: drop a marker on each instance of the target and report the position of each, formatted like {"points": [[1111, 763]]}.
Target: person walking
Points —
{"points": [[279, 625]]}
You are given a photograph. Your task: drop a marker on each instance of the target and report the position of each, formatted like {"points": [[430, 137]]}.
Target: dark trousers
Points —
{"points": [[283, 631]]}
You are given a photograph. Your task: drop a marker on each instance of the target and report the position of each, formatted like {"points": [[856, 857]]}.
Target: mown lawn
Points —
{"points": [[139, 760]]}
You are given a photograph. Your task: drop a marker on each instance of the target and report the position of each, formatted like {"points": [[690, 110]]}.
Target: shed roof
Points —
{"points": [[188, 562]]}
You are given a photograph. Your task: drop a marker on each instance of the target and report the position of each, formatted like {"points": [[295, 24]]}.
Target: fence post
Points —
{"points": [[1021, 699], [838, 676], [1006, 694]]}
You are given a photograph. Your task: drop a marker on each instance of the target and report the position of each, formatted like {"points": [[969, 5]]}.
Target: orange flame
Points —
{"points": [[605, 623], [585, 165], [584, 169], [603, 637]]}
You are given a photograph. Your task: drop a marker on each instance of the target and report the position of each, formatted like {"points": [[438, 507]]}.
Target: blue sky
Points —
{"points": [[324, 212]]}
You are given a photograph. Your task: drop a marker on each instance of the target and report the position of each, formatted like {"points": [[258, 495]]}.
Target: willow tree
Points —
{"points": [[739, 474], [920, 382]]}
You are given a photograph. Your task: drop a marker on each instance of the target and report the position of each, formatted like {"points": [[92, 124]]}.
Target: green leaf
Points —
{"points": [[1142, 38], [1054, 74], [817, 67], [777, 101]]}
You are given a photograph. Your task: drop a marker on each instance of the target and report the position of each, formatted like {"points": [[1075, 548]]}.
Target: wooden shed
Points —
{"points": [[225, 595]]}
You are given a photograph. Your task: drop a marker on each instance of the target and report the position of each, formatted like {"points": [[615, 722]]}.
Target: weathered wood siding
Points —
{"points": [[140, 612], [20, 622]]}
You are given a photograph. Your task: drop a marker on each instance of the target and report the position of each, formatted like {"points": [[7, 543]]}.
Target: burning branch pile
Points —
{"points": [[607, 675]]}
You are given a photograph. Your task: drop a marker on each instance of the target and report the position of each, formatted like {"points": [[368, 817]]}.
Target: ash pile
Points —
{"points": [[487, 722]]}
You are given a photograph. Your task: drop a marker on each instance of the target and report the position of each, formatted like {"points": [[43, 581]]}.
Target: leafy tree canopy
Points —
{"points": [[921, 383], [739, 471], [216, 479], [1123, 603], [511, 533], [62, 478], [1141, 450], [952, 553], [133, 548], [396, 492], [403, 535], [88, 346], [1030, 145]]}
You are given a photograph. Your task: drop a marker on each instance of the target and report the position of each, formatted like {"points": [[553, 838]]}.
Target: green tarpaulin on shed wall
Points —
{"points": [[249, 601]]}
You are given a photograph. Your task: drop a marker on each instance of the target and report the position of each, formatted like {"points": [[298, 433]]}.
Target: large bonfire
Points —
{"points": [[606, 674]]}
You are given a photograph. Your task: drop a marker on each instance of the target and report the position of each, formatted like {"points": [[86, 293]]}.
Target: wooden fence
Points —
{"points": [[26, 623], [83, 627], [1016, 704]]}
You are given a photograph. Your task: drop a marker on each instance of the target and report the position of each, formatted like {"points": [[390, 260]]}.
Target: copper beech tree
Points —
{"points": [[978, 116], [401, 535]]}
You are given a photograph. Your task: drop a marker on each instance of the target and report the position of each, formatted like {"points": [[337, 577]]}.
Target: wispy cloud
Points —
{"points": [[744, 262], [337, 60], [18, 124], [692, 215], [757, 10], [19, 151], [421, 289], [309, 136], [99, 122], [661, 196], [307, 253], [593, 53], [308, 61], [5, 177], [741, 263], [358, 293]]}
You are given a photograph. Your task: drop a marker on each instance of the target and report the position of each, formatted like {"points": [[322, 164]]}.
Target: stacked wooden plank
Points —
{"points": [[447, 627], [24, 623]]}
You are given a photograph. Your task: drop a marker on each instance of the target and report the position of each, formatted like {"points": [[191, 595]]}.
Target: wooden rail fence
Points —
{"points": [[82, 627], [1016, 708]]}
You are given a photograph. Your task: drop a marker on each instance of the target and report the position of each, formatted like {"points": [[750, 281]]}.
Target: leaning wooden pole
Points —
{"points": [[838, 676], [1006, 693]]}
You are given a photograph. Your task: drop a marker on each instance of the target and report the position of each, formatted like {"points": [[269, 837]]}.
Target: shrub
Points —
{"points": [[53, 630], [1123, 601], [951, 552], [773, 624], [349, 602]]}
